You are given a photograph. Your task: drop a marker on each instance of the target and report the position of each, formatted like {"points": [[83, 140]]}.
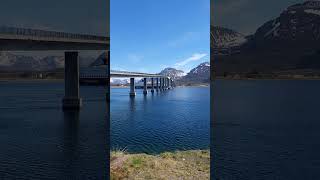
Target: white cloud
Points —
{"points": [[194, 57]]}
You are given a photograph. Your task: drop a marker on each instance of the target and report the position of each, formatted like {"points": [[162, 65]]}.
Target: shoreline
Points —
{"points": [[167, 165], [25, 80]]}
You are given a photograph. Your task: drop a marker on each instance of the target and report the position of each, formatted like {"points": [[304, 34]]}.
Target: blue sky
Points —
{"points": [[150, 35]]}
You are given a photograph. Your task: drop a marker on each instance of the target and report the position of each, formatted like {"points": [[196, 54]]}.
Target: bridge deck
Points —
{"points": [[15, 39], [118, 74]]}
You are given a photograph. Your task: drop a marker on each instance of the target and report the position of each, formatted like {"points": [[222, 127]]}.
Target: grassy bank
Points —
{"points": [[194, 164]]}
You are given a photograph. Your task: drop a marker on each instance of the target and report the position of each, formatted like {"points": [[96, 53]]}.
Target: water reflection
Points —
{"points": [[153, 123], [132, 106], [71, 142]]}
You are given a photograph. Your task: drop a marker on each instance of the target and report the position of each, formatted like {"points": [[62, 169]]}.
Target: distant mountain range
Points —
{"points": [[172, 73], [10, 62], [225, 38], [289, 42], [198, 75]]}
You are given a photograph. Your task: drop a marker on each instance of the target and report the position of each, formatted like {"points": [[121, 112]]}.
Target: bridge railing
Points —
{"points": [[115, 72], [51, 34], [128, 72]]}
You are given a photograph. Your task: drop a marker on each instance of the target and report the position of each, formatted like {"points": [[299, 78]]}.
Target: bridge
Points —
{"points": [[158, 82], [22, 39]]}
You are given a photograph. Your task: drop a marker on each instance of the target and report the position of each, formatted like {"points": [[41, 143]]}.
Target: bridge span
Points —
{"points": [[22, 39], [158, 82]]}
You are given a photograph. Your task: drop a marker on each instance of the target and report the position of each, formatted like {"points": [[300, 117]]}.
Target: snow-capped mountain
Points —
{"points": [[297, 26], [225, 41], [14, 62], [202, 71], [172, 73], [225, 38], [119, 81], [285, 43], [197, 75]]}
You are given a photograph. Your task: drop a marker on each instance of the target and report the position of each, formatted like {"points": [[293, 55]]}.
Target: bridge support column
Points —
{"points": [[161, 84], [71, 98], [107, 63], [145, 91], [152, 86], [132, 88], [165, 84], [168, 87], [157, 84]]}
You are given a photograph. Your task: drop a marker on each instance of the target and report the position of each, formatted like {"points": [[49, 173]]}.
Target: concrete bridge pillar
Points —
{"points": [[132, 88], [107, 63], [157, 84], [71, 98], [152, 85], [162, 84], [145, 91], [165, 83]]}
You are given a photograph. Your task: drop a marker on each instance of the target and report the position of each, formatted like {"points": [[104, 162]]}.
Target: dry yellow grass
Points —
{"points": [[193, 164]]}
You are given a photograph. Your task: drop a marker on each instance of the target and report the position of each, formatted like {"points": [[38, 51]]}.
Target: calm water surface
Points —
{"points": [[266, 130], [40, 141], [177, 119]]}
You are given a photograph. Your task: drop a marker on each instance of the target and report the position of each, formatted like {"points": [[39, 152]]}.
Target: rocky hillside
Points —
{"points": [[172, 73], [224, 40], [298, 27], [198, 75], [286, 43], [11, 62]]}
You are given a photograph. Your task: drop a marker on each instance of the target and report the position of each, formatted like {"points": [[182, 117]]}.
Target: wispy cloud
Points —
{"points": [[194, 57]]}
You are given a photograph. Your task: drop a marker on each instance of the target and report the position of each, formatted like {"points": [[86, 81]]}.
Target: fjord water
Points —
{"points": [[40, 141], [171, 120], [266, 129]]}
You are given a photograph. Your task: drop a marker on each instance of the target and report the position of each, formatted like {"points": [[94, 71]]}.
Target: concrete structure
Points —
{"points": [[132, 88], [161, 84], [20, 39], [145, 91], [157, 85], [165, 83], [72, 97], [132, 75], [152, 85]]}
